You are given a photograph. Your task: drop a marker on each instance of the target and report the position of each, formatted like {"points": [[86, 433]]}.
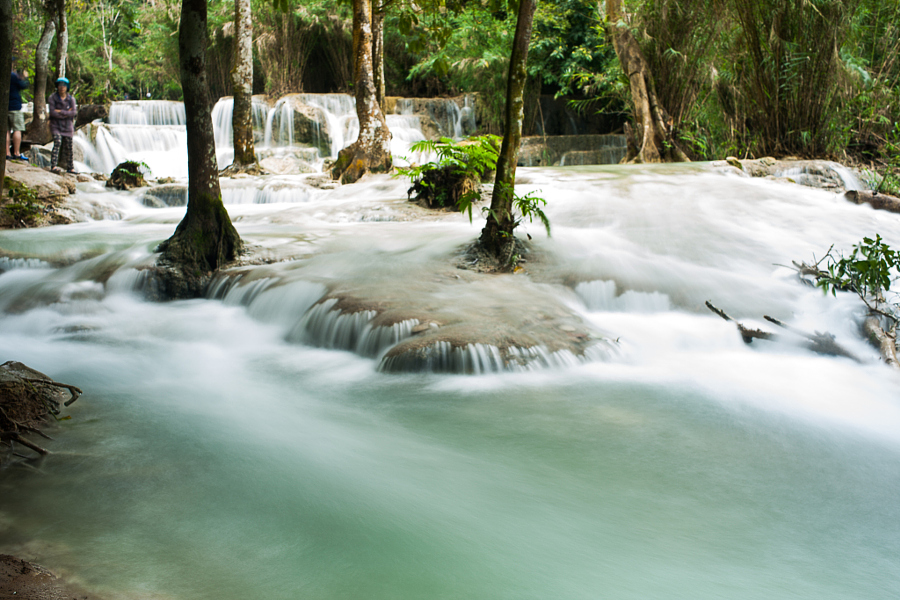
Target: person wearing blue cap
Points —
{"points": [[63, 110], [16, 117]]}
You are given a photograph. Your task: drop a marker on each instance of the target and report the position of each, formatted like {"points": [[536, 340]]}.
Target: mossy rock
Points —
{"points": [[127, 175]]}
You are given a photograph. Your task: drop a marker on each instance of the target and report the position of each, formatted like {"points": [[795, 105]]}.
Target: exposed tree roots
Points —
{"points": [[27, 399]]}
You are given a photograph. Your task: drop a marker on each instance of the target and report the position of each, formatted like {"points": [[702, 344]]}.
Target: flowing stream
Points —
{"points": [[223, 451]]}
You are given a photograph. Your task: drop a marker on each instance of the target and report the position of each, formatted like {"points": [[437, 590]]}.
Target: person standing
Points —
{"points": [[16, 116], [63, 110]]}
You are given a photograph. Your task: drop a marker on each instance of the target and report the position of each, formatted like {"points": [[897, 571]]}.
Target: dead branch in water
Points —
{"points": [[820, 343]]}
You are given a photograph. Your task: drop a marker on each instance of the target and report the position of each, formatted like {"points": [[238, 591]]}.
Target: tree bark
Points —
{"points": [[497, 235], [6, 16], [379, 10], [372, 149], [39, 129], [205, 239], [654, 127], [242, 83], [62, 38]]}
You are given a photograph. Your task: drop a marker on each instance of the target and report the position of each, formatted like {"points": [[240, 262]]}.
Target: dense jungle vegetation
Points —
{"points": [[736, 77]]}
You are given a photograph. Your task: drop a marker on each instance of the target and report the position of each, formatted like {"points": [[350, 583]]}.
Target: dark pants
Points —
{"points": [[62, 148]]}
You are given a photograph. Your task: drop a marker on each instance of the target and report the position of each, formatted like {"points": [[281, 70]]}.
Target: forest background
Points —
{"points": [[749, 78]]}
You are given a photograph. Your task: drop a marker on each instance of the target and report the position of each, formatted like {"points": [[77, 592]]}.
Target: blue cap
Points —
{"points": [[63, 80]]}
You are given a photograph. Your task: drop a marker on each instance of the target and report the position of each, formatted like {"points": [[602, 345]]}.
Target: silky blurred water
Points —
{"points": [[211, 458]]}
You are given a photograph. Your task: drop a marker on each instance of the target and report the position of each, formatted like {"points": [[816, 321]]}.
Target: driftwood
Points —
{"points": [[27, 399], [876, 200], [885, 341], [820, 343]]}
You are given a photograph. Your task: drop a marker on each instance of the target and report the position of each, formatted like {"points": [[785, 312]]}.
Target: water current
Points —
{"points": [[218, 454]]}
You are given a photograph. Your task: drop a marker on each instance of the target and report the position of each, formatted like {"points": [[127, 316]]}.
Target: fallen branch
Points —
{"points": [[820, 343], [874, 199], [886, 342], [747, 334]]}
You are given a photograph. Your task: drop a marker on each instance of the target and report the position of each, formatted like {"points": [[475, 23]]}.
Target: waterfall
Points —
{"points": [[153, 132]]}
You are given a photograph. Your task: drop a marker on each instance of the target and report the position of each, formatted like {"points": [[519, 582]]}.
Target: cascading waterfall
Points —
{"points": [[152, 132], [148, 131]]}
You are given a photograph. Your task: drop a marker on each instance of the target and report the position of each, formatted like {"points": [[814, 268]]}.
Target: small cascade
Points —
{"points": [[823, 175], [8, 264], [147, 112], [601, 296], [326, 327], [479, 359]]}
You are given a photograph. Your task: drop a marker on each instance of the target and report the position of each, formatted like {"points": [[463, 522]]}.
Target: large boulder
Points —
{"points": [[91, 112], [46, 185]]}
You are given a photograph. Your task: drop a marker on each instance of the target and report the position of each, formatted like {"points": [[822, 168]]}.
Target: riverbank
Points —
{"points": [[21, 579]]}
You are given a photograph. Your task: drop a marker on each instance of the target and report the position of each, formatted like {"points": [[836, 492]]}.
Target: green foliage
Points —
{"points": [[869, 271], [473, 156], [464, 161], [469, 51], [528, 207], [22, 208]]}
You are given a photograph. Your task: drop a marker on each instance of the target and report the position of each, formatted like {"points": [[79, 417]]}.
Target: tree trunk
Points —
{"points": [[39, 129], [372, 150], [205, 239], [62, 38], [497, 235], [242, 83], [378, 13], [654, 141], [6, 16]]}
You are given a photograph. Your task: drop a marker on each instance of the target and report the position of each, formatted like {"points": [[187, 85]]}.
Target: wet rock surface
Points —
{"points": [[20, 579], [821, 174]]}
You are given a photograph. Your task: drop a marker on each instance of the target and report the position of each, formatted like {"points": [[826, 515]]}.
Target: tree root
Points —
{"points": [[27, 399]]}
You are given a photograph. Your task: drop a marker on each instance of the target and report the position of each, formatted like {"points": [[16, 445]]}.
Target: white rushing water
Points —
{"points": [[153, 132], [251, 447]]}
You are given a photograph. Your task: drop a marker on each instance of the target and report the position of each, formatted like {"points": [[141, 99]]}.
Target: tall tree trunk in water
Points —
{"points": [[497, 235], [6, 16], [39, 129], [242, 82], [62, 38], [654, 127], [205, 239], [372, 150], [379, 10]]}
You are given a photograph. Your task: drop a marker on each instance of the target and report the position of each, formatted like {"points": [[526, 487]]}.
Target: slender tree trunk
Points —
{"points": [[242, 83], [379, 11], [205, 239], [62, 38], [372, 150], [654, 127], [6, 16], [497, 235], [39, 129]]}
